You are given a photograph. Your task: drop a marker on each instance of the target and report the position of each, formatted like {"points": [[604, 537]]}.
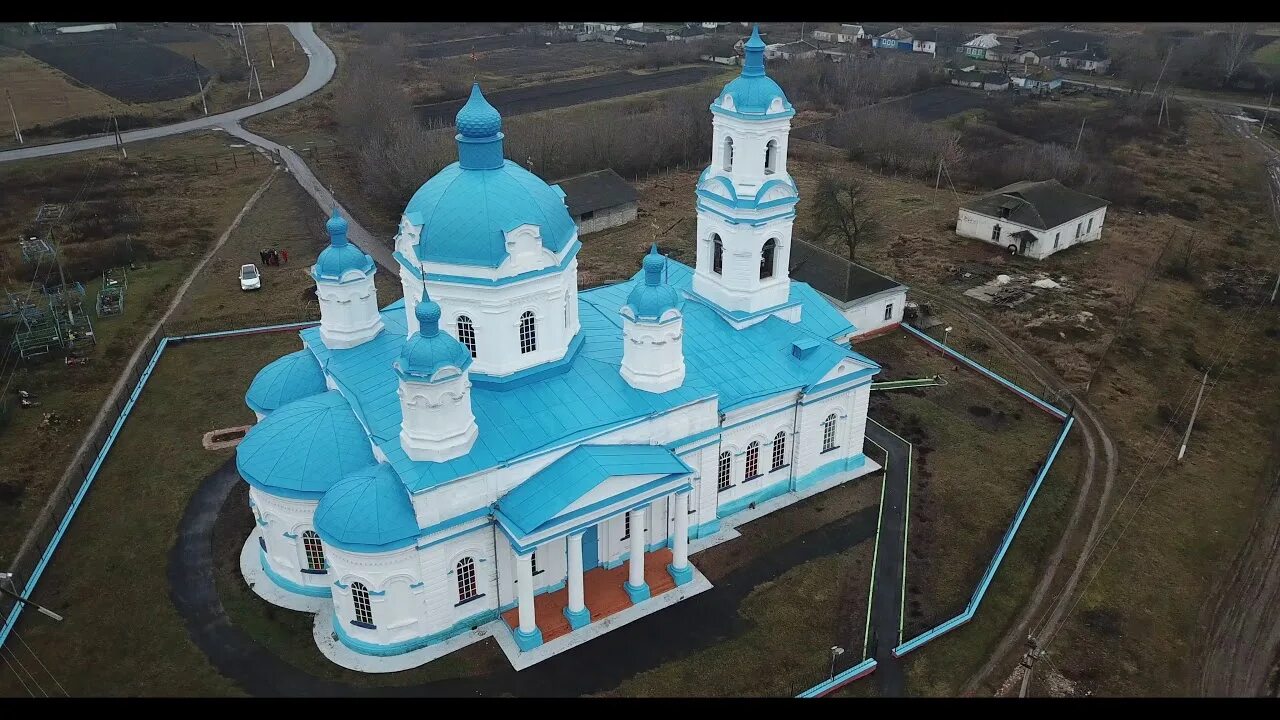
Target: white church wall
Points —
{"points": [[396, 594], [286, 555], [445, 609], [348, 310]]}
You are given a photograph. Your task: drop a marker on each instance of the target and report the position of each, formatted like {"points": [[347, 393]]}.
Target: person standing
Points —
{"points": [[263, 254], [284, 256]]}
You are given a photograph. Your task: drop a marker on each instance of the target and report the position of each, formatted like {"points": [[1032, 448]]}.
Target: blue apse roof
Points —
{"points": [[555, 487], [465, 213], [653, 297], [428, 351], [341, 256], [367, 509], [590, 396], [284, 380], [304, 447]]}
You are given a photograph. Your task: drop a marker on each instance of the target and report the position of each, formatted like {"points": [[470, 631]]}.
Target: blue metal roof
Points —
{"points": [[284, 380], [428, 351], [304, 447], [590, 396], [367, 510], [341, 256], [557, 486], [466, 207], [651, 298], [753, 91]]}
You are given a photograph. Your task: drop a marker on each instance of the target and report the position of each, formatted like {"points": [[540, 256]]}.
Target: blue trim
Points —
{"points": [[579, 619], [508, 527], [843, 380], [745, 116], [738, 203], [290, 535], [340, 585], [416, 585], [262, 543], [638, 594], [527, 641], [365, 625], [753, 222], [824, 471], [368, 549], [309, 571], [549, 588], [862, 669], [447, 538], [367, 648], [286, 584], [377, 593], [446, 524], [530, 375], [705, 529], [768, 492], [491, 282], [681, 576], [741, 315]]}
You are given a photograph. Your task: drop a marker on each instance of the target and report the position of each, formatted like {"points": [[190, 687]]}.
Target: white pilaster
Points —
{"points": [[636, 587], [524, 573], [680, 551]]}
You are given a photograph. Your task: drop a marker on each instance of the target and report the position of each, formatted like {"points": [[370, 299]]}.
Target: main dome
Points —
{"points": [[467, 207], [753, 91]]}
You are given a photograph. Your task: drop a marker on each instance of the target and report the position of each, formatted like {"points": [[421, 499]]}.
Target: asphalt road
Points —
{"points": [[319, 72], [886, 598]]}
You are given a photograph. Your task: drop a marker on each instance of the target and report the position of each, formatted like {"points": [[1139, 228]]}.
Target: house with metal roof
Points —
{"points": [[599, 200], [1035, 219], [474, 458], [871, 302]]}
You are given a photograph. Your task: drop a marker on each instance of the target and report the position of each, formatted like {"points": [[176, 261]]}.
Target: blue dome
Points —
{"points": [[478, 119], [304, 447], [368, 510], [464, 213], [753, 91], [653, 297], [341, 256], [428, 351], [296, 375]]}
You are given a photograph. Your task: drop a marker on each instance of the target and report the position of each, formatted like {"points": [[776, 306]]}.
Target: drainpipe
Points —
{"points": [[795, 439]]}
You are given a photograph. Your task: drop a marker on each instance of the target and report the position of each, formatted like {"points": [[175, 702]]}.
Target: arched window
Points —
{"points": [[466, 579], [314, 550], [467, 333], [753, 461], [779, 450], [728, 154], [829, 433], [528, 333], [722, 473], [533, 562], [771, 157], [360, 598], [717, 254], [766, 258]]}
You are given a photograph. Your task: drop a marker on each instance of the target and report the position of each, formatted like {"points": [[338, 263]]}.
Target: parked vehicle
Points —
{"points": [[250, 279]]}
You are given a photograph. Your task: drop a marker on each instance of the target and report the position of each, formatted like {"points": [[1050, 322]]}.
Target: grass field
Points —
{"points": [[42, 94], [173, 215], [1268, 54]]}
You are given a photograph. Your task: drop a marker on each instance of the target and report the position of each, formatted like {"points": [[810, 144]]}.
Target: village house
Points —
{"points": [[925, 41], [1092, 59], [850, 33], [633, 37], [993, 47], [972, 78], [599, 200], [895, 39], [1035, 219], [1037, 79], [838, 33], [871, 302], [601, 28], [798, 50]]}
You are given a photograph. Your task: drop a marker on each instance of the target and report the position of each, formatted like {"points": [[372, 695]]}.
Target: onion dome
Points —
{"points": [[429, 351], [341, 257], [753, 92], [367, 511], [653, 297]]}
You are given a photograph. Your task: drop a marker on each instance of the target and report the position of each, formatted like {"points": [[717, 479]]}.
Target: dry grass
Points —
{"points": [[42, 94], [178, 214]]}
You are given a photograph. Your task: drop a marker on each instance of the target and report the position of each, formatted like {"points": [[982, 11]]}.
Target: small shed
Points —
{"points": [[870, 301], [599, 200]]}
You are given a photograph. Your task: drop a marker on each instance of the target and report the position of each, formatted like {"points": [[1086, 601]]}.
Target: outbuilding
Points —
{"points": [[599, 200], [1035, 219], [870, 301]]}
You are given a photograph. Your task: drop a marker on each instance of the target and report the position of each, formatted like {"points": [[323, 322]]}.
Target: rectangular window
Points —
{"points": [[466, 580], [888, 311], [995, 233], [533, 561], [1090, 228], [722, 472], [1056, 237], [587, 215], [626, 526], [1079, 227], [753, 461]]}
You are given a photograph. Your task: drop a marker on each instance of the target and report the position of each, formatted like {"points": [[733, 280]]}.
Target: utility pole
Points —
{"points": [[8, 577], [1192, 422], [17, 132], [270, 54], [119, 140], [1263, 129], [200, 82], [1080, 134], [257, 79], [1274, 289], [937, 182]]}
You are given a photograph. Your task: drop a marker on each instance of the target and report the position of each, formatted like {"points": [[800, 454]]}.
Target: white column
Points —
{"points": [[680, 553], [637, 548], [576, 603], [524, 574]]}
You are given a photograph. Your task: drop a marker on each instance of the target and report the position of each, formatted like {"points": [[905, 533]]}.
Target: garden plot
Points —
{"points": [[129, 71]]}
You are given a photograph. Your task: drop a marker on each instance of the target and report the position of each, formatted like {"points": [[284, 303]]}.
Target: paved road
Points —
{"points": [[687, 627], [1188, 98], [319, 72], [886, 600]]}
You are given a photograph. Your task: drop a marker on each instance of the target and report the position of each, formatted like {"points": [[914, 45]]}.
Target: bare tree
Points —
{"points": [[1236, 49], [842, 211], [1185, 260]]}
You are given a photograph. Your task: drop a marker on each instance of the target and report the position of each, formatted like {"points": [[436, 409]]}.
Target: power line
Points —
{"points": [[42, 665], [28, 672], [15, 674]]}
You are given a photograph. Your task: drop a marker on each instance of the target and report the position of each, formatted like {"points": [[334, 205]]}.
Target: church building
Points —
{"points": [[499, 449]]}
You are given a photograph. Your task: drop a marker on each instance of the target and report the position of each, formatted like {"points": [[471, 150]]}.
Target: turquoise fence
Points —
{"points": [[981, 590], [862, 669], [110, 439]]}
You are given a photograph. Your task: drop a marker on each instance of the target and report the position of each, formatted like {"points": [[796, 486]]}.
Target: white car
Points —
{"points": [[249, 277]]}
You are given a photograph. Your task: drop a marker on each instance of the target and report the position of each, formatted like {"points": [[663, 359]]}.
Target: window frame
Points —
{"points": [[771, 157], [724, 471], [751, 468], [769, 258], [995, 232], [359, 593], [888, 311], [311, 545], [467, 333], [727, 154], [717, 254], [829, 433], [467, 563], [626, 526], [528, 332], [778, 452]]}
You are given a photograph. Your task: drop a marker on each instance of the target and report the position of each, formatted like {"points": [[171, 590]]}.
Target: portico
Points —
{"points": [[571, 499]]}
